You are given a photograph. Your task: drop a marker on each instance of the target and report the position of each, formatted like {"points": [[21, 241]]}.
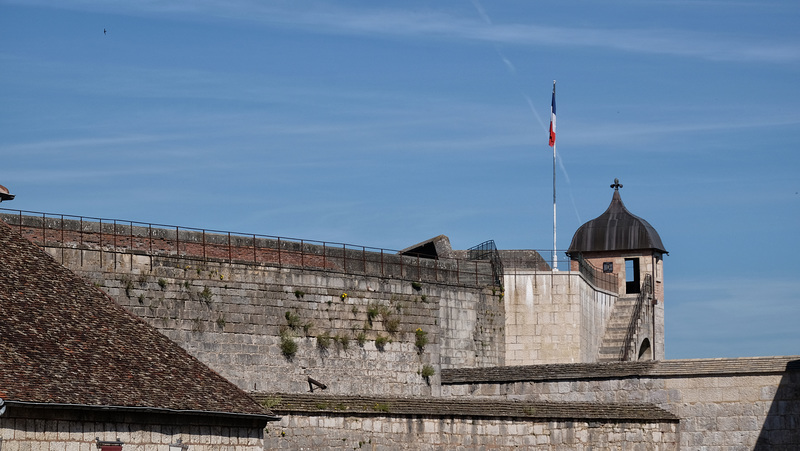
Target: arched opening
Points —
{"points": [[645, 352]]}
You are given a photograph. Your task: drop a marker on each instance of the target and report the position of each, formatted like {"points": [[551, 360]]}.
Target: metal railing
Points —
{"points": [[488, 251], [596, 276], [104, 236], [645, 293]]}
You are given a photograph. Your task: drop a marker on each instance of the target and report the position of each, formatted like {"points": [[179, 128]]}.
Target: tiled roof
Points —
{"points": [[65, 342], [319, 404], [662, 368]]}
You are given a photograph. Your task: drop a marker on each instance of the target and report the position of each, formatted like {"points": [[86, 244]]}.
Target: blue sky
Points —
{"points": [[387, 123]]}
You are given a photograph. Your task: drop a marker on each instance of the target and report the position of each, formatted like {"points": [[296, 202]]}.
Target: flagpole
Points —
{"points": [[553, 143], [555, 268]]}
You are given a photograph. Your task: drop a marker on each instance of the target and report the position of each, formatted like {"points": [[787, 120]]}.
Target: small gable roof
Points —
{"points": [[65, 342]]}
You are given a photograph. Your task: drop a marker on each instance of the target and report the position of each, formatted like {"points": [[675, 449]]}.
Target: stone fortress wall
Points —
{"points": [[351, 326], [744, 403], [233, 316]]}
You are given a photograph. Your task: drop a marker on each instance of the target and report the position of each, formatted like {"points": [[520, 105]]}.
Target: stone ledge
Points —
{"points": [[615, 370], [318, 404]]}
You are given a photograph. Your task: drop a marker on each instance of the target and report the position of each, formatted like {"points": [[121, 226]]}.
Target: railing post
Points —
{"points": [[177, 242], [101, 243], [364, 258], [130, 224], [80, 235], [324, 256], [344, 257], [302, 255], [382, 273], [115, 244], [62, 239], [255, 257], [279, 252], [230, 251], [204, 246]]}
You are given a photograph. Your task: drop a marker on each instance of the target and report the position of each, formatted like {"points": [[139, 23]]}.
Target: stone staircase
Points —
{"points": [[614, 338]]}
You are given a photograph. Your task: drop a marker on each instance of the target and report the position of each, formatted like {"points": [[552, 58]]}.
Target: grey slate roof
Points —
{"points": [[320, 404], [65, 342], [615, 230]]}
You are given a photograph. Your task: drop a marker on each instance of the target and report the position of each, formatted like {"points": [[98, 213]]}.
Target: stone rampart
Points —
{"points": [[348, 330], [330, 422], [553, 317], [110, 237], [747, 403]]}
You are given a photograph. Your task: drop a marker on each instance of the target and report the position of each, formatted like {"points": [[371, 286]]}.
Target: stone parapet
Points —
{"points": [[746, 403]]}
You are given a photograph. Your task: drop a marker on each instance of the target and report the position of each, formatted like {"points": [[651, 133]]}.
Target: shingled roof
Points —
{"points": [[64, 342]]}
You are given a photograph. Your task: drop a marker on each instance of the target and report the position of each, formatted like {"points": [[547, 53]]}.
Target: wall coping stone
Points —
{"points": [[614, 370], [327, 405]]}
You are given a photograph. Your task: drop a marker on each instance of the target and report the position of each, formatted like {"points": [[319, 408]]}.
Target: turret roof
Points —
{"points": [[616, 229]]}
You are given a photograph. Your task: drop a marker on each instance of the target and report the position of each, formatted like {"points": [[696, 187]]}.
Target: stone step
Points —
{"points": [[616, 329]]}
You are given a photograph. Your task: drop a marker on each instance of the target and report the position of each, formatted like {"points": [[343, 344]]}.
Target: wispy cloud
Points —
{"points": [[325, 18]]}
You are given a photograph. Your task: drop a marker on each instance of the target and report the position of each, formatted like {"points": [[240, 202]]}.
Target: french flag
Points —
{"points": [[553, 118]]}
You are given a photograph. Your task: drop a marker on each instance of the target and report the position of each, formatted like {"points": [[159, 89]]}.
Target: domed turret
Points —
{"points": [[625, 252], [616, 230]]}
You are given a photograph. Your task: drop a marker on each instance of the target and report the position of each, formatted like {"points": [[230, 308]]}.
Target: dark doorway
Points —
{"points": [[632, 281]]}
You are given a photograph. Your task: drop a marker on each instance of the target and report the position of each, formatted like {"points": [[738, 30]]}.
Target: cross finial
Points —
{"points": [[616, 185]]}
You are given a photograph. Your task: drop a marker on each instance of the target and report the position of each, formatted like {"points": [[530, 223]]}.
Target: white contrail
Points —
{"points": [[513, 70], [535, 113], [482, 11], [569, 185]]}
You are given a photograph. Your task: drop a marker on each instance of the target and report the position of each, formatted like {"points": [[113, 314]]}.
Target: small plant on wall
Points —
{"points": [[392, 325], [292, 319], [381, 341], [288, 345], [372, 312], [343, 340], [206, 295], [420, 339], [128, 286], [324, 341], [427, 371]]}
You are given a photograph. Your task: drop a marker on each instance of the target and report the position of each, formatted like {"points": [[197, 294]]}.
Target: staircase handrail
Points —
{"points": [[645, 293], [594, 275]]}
